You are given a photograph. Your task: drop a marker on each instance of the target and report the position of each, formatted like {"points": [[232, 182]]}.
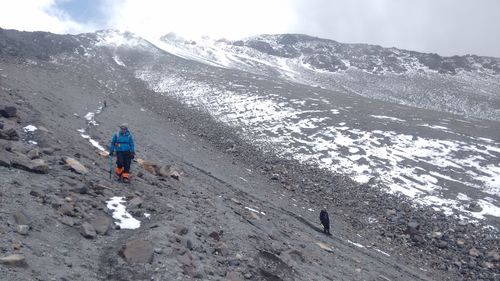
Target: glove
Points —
{"points": [[111, 153]]}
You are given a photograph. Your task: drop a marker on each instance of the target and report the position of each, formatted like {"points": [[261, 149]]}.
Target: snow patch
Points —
{"points": [[30, 129], [124, 219], [255, 211]]}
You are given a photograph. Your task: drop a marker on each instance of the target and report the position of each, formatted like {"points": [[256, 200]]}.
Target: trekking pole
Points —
{"points": [[110, 165]]}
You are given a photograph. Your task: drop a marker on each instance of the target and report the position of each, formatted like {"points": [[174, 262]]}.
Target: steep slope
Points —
{"points": [[236, 212], [465, 85]]}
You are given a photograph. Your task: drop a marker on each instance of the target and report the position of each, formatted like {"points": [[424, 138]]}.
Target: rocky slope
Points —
{"points": [[211, 206], [466, 85]]}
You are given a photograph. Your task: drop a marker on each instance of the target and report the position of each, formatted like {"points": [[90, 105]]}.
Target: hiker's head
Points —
{"points": [[123, 127]]}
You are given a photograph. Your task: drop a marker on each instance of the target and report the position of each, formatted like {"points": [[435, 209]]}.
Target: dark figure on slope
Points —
{"points": [[123, 144], [325, 221]]}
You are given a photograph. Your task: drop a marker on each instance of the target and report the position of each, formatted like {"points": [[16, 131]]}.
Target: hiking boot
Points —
{"points": [[119, 171], [126, 177]]}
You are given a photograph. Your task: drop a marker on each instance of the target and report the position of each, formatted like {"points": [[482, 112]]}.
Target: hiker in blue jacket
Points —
{"points": [[123, 144]]}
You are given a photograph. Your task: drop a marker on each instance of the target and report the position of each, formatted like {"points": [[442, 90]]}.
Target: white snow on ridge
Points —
{"points": [[418, 167]]}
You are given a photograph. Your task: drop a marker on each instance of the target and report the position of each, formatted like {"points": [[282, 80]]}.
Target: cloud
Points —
{"points": [[447, 27], [217, 18], [34, 15]]}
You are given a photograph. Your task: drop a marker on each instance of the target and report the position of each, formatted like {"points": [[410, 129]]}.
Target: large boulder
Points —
{"points": [[75, 166], [167, 171], [8, 112], [13, 260], [9, 134], [137, 251], [5, 158], [101, 224], [22, 162], [88, 231], [150, 167], [39, 166]]}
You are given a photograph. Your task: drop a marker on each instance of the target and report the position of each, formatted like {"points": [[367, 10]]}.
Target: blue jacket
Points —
{"points": [[122, 142]]}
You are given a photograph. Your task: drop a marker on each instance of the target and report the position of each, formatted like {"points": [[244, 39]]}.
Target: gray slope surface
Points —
{"points": [[278, 245]]}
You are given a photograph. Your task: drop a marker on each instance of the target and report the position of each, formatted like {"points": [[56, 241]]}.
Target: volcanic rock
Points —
{"points": [[8, 112], [137, 251]]}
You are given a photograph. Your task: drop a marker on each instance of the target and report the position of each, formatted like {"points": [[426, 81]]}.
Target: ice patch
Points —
{"points": [[124, 219], [30, 129], [118, 60], [89, 116], [388, 117], [382, 252], [97, 145], [355, 244], [32, 142], [255, 211]]}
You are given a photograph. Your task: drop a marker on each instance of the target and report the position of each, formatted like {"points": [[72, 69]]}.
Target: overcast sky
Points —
{"points": [[446, 27]]}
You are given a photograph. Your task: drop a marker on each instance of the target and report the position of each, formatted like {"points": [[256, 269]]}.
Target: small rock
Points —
{"points": [[148, 166], [188, 244], [83, 190], [75, 166], [22, 229], [215, 235], [181, 230], [437, 235], [67, 221], [488, 265], [390, 212], [442, 245], [67, 209], [135, 202], [463, 223], [137, 251], [9, 134], [175, 175], [33, 154], [248, 275], [474, 252], [236, 201], [14, 260], [164, 171], [48, 151], [474, 207], [21, 218], [102, 224], [460, 242], [234, 276], [16, 245], [221, 249], [494, 256], [8, 112], [39, 166], [412, 228], [88, 231]]}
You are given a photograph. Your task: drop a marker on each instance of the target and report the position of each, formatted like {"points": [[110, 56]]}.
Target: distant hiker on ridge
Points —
{"points": [[123, 144], [325, 221]]}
